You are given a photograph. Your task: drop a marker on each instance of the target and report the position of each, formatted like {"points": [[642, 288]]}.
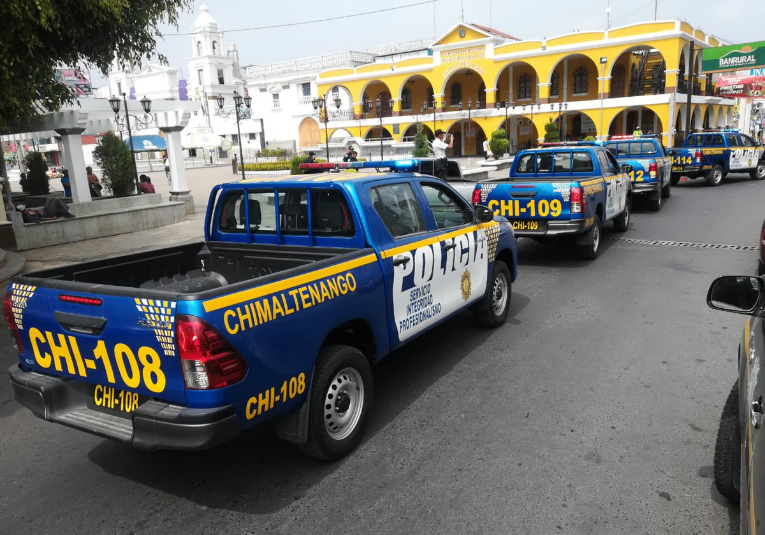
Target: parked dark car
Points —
{"points": [[739, 461]]}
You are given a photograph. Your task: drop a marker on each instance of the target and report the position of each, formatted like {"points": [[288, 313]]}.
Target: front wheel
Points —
{"points": [[759, 172], [341, 392], [727, 453], [715, 176], [590, 251], [492, 311]]}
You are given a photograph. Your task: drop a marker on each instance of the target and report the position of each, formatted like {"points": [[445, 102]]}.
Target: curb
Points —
{"points": [[12, 264]]}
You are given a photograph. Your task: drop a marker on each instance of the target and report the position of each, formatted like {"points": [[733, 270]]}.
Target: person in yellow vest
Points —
{"points": [[638, 132]]}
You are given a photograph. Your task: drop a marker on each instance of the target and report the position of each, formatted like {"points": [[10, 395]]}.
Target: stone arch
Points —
{"points": [[370, 92], [309, 133], [341, 135], [411, 130], [468, 137], [373, 134], [506, 86], [421, 89], [644, 71], [624, 122], [706, 122], [696, 118], [565, 68], [469, 82]]}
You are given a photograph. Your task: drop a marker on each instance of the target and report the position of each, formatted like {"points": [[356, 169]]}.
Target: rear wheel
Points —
{"points": [[341, 392], [590, 251], [675, 179], [654, 203], [715, 176], [759, 172], [493, 310], [727, 448], [666, 191]]}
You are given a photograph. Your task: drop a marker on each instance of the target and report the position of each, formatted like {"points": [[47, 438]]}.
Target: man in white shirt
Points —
{"points": [[439, 149], [486, 150]]}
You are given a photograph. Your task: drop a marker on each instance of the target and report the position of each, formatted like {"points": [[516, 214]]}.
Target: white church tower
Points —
{"points": [[212, 68]]}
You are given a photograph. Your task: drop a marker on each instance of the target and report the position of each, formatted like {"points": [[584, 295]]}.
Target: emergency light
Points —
{"points": [[399, 165], [568, 143]]}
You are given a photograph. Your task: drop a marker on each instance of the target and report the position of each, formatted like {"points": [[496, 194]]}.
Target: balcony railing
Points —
{"points": [[305, 100]]}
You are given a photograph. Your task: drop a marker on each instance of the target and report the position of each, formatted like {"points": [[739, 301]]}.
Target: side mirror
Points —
{"points": [[483, 214], [627, 168], [739, 294]]}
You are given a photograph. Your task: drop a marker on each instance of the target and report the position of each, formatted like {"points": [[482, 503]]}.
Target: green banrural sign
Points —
{"points": [[734, 57]]}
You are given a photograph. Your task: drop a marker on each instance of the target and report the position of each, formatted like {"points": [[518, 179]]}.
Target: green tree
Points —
{"points": [[37, 182], [499, 143], [295, 162], [551, 131], [421, 148], [116, 162], [41, 35]]}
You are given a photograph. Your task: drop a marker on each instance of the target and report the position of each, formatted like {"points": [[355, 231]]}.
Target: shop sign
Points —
{"points": [[733, 57], [740, 86]]}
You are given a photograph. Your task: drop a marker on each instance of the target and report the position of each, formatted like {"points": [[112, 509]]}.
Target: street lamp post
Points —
{"points": [[531, 126], [320, 106], [114, 102], [603, 61], [379, 107], [241, 110]]}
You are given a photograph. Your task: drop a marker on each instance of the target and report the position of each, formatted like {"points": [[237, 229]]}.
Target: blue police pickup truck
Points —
{"points": [[714, 154], [651, 166], [565, 189], [301, 284]]}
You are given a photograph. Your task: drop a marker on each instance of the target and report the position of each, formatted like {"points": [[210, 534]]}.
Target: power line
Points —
{"points": [[331, 19], [633, 12]]}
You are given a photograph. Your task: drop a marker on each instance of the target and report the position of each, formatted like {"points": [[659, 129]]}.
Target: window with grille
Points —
{"points": [[580, 81], [554, 85], [406, 99], [456, 96], [306, 87], [524, 87]]}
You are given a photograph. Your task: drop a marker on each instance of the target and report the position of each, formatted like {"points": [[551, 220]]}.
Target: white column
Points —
{"points": [[624, 123], [71, 140], [565, 80], [179, 190]]}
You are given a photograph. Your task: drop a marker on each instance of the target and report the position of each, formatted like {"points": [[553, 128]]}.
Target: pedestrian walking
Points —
{"points": [[66, 182], [439, 149], [234, 166], [166, 163], [487, 150]]}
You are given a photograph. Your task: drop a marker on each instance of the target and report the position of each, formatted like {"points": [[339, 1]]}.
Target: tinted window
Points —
{"points": [[447, 209], [582, 163], [544, 162], [526, 164], [398, 208], [693, 140], [747, 141], [615, 168], [648, 149], [635, 149], [330, 214], [715, 140], [293, 211], [605, 164], [733, 140], [562, 162], [261, 211]]}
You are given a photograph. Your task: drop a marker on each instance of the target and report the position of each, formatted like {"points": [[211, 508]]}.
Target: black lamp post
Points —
{"points": [[434, 115], [241, 110], [505, 105], [531, 126], [320, 106], [114, 102], [379, 107]]}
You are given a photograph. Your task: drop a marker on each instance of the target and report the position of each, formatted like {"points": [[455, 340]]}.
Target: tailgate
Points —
{"points": [[530, 205], [114, 341], [682, 158]]}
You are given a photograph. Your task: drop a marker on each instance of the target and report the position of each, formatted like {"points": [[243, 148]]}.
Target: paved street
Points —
{"points": [[592, 411]]}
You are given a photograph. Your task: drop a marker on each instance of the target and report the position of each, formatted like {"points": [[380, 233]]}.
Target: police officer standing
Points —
{"points": [[439, 149]]}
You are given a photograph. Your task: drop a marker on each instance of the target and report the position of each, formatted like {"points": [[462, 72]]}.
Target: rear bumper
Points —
{"points": [[556, 228], [691, 171], [152, 426], [645, 187]]}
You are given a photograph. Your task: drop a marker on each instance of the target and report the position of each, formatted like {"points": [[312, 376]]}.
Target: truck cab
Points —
{"points": [[715, 153]]}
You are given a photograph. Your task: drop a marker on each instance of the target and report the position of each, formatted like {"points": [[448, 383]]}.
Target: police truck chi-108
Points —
{"points": [[301, 284]]}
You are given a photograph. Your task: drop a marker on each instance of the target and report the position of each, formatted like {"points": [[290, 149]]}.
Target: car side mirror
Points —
{"points": [[483, 214], [738, 294], [627, 168]]}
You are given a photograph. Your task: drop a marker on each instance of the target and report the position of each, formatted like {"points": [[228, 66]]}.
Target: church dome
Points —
{"points": [[204, 19]]}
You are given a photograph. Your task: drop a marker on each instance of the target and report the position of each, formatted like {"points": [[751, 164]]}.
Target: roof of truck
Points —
{"points": [[321, 178]]}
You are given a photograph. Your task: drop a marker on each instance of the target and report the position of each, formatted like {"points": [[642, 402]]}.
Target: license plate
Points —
{"points": [[117, 402], [527, 225], [677, 167]]}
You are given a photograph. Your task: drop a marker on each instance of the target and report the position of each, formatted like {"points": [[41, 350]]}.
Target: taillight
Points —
{"points": [[653, 170], [699, 155], [10, 319], [577, 201], [80, 300], [208, 361], [476, 196]]}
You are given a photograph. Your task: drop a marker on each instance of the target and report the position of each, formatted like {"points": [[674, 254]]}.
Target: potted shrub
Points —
{"points": [[37, 182], [116, 162]]}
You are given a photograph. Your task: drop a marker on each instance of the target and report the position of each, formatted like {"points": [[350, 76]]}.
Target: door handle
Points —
{"points": [[757, 412], [449, 246], [400, 259]]}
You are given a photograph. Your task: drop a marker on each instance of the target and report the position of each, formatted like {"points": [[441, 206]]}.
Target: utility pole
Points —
{"points": [[655, 8], [689, 88], [608, 15]]}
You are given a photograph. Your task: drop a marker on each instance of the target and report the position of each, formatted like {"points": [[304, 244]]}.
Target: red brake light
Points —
{"points": [[10, 319], [476, 196], [699, 155], [208, 361], [577, 201], [80, 300], [653, 169]]}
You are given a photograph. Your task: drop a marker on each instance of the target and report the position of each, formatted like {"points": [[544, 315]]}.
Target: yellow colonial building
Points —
{"points": [[474, 80]]}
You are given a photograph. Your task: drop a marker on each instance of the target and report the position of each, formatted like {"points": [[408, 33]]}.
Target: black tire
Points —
{"points": [[715, 176], [622, 223], [666, 191], [343, 378], [654, 203], [590, 251], [493, 309], [674, 179], [727, 448], [761, 268], [759, 172]]}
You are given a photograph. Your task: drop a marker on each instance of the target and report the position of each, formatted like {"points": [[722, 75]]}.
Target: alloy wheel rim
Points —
{"points": [[595, 237], [343, 403], [761, 171], [499, 294]]}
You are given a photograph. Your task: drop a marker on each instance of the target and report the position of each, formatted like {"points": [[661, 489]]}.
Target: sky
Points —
{"points": [[737, 21]]}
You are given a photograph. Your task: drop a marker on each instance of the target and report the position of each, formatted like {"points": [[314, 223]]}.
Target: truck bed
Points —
{"points": [[189, 268]]}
